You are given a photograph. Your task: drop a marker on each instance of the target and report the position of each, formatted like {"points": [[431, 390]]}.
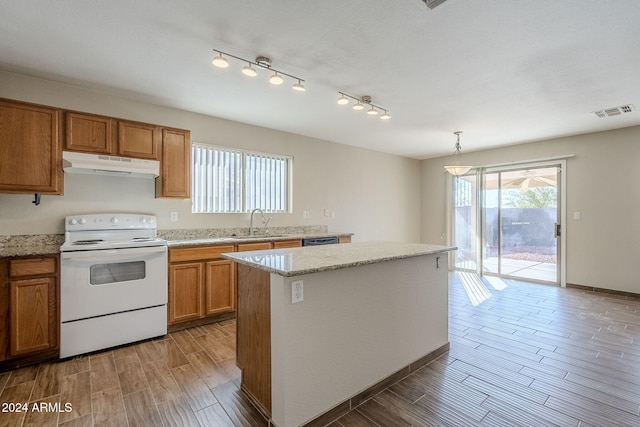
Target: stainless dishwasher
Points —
{"points": [[316, 241]]}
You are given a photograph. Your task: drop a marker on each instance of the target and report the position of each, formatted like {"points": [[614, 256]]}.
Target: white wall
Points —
{"points": [[356, 326], [374, 195], [603, 247]]}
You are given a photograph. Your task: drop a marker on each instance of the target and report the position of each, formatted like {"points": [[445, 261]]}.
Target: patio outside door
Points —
{"points": [[519, 223], [505, 222]]}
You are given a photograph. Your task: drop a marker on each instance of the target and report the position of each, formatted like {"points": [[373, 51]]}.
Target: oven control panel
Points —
{"points": [[109, 222]]}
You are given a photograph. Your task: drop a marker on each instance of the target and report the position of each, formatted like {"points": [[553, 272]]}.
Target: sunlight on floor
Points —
{"points": [[474, 287], [497, 283]]}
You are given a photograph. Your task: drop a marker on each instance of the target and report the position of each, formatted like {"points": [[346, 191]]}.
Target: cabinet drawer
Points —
{"points": [[254, 246], [287, 244], [32, 267], [200, 253]]}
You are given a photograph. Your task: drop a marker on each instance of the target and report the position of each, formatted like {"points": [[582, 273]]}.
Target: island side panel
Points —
{"points": [[355, 327], [253, 345]]}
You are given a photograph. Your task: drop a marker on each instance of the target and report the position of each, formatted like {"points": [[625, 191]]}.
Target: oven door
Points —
{"points": [[100, 282]]}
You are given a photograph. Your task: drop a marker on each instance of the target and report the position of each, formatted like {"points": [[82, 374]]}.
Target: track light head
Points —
{"points": [[248, 70], [299, 87], [276, 79], [343, 100], [220, 62]]}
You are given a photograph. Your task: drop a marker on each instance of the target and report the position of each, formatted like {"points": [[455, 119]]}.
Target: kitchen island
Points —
{"points": [[367, 315]]}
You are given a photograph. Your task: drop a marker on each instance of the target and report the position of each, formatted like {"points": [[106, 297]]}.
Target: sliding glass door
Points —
{"points": [[465, 235], [508, 225]]}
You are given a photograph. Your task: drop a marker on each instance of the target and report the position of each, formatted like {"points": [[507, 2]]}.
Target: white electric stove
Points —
{"points": [[113, 273]]}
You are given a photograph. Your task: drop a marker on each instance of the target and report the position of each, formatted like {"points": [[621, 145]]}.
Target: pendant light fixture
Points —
{"points": [[261, 62], [363, 102], [457, 170]]}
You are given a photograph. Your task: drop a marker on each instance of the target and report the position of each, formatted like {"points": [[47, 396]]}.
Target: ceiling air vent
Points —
{"points": [[615, 111], [431, 4]]}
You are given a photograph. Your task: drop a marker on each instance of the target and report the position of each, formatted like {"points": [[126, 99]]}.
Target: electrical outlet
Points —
{"points": [[327, 212], [174, 216], [306, 214], [297, 293]]}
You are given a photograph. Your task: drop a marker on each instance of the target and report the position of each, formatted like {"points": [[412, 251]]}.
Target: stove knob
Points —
{"points": [[83, 220], [143, 220], [114, 220], [73, 221], [150, 220]]}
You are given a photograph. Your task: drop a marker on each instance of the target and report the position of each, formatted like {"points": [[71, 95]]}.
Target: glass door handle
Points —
{"points": [[557, 230]]}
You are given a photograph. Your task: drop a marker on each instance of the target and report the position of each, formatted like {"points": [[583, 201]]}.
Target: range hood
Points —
{"points": [[103, 164]]}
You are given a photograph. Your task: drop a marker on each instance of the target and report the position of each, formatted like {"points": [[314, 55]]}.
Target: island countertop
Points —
{"points": [[313, 259]]}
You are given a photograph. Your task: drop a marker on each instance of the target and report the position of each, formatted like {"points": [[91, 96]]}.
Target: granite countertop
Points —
{"points": [[251, 239], [49, 244], [313, 259], [30, 245]]}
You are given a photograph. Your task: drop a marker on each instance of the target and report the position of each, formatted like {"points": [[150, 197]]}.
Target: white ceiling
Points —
{"points": [[502, 71]]}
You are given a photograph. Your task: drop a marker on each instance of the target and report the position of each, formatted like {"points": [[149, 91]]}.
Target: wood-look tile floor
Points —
{"points": [[521, 355], [187, 378]]}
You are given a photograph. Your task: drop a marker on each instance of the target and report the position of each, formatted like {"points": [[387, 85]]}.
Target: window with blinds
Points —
{"points": [[226, 180]]}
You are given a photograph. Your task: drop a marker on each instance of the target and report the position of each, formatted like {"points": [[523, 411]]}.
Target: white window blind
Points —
{"points": [[230, 180]]}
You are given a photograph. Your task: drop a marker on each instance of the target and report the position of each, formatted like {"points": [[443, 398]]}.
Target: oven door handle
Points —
{"points": [[111, 253]]}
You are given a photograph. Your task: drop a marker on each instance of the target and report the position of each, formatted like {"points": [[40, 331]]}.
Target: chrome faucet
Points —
{"points": [[265, 221]]}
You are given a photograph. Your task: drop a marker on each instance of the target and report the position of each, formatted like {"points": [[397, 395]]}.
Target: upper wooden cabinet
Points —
{"points": [[139, 140], [175, 165], [30, 148], [90, 133]]}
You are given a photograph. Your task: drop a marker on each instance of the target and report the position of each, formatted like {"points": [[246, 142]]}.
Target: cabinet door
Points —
{"points": [[344, 239], [185, 292], [89, 133], [175, 168], [219, 287], [33, 316], [30, 150], [138, 140]]}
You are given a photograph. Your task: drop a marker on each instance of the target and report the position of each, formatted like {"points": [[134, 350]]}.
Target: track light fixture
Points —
{"points": [[261, 62], [361, 103]]}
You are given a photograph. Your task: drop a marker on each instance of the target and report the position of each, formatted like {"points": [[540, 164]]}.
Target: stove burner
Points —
{"points": [[88, 242]]}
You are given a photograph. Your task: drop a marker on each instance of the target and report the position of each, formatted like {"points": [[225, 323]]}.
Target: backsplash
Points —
{"points": [[212, 233]]}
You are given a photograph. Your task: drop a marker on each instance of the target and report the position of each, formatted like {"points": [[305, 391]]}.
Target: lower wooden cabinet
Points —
{"points": [[30, 286], [201, 284], [32, 316]]}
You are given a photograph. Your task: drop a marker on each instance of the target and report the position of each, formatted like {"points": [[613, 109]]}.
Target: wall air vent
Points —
{"points": [[431, 4], [614, 111]]}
